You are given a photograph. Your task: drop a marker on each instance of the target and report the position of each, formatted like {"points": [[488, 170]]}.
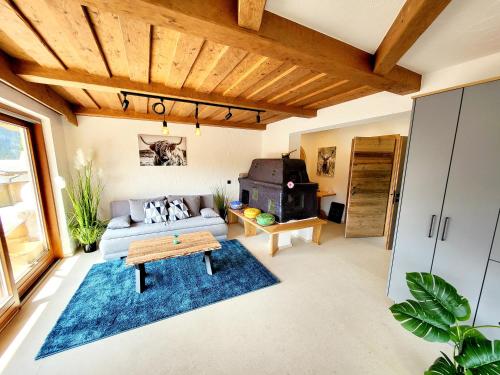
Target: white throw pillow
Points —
{"points": [[177, 210], [155, 212]]}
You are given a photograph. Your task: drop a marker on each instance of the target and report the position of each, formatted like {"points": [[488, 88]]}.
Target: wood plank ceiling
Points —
{"points": [[88, 51]]}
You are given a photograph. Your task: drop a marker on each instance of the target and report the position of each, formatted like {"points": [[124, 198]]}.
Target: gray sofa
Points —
{"points": [[115, 242]]}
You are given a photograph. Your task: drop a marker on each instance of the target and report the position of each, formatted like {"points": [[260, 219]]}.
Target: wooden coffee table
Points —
{"points": [[152, 250]]}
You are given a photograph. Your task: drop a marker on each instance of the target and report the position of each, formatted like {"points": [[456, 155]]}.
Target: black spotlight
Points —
{"points": [[258, 118], [125, 102], [229, 114], [159, 107]]}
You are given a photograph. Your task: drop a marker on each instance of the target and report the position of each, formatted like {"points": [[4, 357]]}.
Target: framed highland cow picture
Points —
{"points": [[326, 161], [158, 150]]}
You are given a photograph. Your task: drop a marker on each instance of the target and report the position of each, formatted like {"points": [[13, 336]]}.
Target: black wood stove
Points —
{"points": [[280, 187]]}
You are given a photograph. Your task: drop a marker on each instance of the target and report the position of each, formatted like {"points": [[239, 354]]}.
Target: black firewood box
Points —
{"points": [[268, 188]]}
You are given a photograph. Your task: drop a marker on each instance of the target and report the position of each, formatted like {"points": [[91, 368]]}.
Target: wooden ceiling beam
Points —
{"points": [[250, 13], [277, 38], [413, 19], [41, 93], [71, 78], [82, 111]]}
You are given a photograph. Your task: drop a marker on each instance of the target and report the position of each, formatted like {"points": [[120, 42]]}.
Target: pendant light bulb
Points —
{"points": [[197, 130], [165, 128]]}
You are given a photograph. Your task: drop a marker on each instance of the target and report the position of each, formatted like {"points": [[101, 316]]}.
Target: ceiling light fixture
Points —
{"points": [[165, 126], [229, 114], [159, 107], [125, 102], [197, 130]]}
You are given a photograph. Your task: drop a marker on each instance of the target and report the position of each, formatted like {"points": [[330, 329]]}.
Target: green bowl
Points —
{"points": [[265, 219]]}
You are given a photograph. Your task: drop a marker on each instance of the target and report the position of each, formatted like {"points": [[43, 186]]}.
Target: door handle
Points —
{"points": [[431, 227], [445, 227]]}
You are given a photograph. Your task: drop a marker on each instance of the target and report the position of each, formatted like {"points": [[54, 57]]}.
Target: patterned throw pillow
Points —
{"points": [[177, 210], [155, 211]]}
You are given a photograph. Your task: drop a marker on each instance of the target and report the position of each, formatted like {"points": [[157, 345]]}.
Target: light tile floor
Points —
{"points": [[329, 315]]}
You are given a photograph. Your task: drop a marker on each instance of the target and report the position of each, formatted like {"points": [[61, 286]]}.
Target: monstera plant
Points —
{"points": [[438, 314]]}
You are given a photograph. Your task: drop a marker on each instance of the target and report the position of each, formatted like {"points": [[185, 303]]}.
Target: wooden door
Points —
{"points": [[430, 146], [369, 185], [397, 176], [472, 198]]}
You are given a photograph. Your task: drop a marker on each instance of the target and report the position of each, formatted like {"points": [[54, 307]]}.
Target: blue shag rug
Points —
{"points": [[106, 302]]}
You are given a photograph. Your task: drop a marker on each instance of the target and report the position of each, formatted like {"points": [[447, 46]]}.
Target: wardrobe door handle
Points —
{"points": [[445, 226], [431, 227]]}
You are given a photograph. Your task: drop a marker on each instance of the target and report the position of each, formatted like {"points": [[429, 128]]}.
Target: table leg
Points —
{"points": [[273, 243], [316, 234], [231, 218], [140, 277], [208, 261], [250, 229]]}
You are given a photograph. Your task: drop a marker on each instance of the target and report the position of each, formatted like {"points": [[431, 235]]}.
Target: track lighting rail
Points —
{"points": [[129, 93]]}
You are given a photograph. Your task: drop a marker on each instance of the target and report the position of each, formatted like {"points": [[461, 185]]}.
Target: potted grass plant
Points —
{"points": [[84, 193], [440, 314], [221, 200]]}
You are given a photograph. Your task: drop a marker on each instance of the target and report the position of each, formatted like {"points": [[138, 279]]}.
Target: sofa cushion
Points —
{"points": [[208, 213], [177, 210], [119, 222], [193, 202], [138, 229], [137, 213], [194, 222], [156, 212]]}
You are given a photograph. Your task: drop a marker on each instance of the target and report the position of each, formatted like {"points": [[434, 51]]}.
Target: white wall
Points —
{"points": [[53, 130], [276, 138], [342, 139], [213, 158]]}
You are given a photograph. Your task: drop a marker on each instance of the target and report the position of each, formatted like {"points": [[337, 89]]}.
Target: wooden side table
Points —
{"points": [[274, 230]]}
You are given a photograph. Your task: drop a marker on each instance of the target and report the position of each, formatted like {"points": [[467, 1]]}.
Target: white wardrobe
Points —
{"points": [[450, 203]]}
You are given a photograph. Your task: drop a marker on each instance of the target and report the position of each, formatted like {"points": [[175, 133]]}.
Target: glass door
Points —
{"points": [[20, 209]]}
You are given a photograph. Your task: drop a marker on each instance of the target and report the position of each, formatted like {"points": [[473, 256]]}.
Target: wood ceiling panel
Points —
{"points": [[163, 46], [183, 109], [76, 96], [207, 111], [137, 39], [295, 87], [343, 97], [210, 54], [270, 117], [228, 61], [323, 93], [65, 94], [269, 80], [108, 100], [186, 51], [13, 49], [282, 84], [217, 113], [42, 18], [310, 88], [108, 30], [20, 42], [74, 20], [252, 69]]}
